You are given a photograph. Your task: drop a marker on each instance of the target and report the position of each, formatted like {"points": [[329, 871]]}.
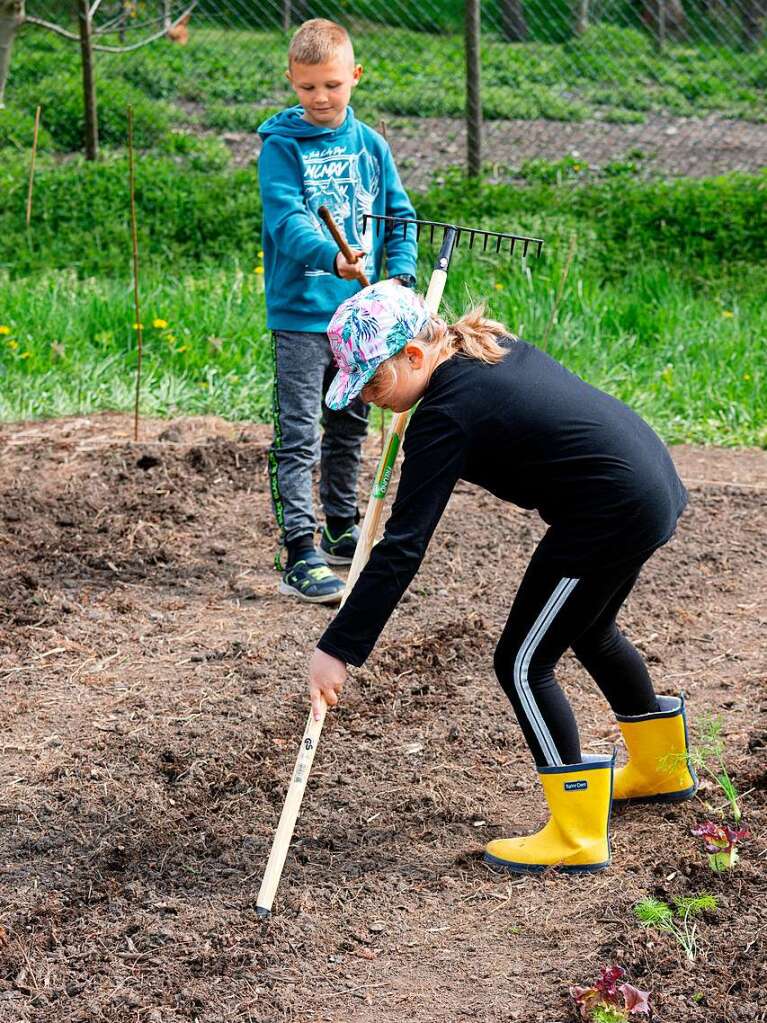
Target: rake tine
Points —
{"points": [[485, 236], [524, 248], [472, 236], [417, 231], [431, 236], [457, 236], [540, 246], [498, 244], [511, 247]]}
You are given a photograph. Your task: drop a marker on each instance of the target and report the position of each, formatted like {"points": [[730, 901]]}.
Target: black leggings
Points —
{"points": [[551, 613]]}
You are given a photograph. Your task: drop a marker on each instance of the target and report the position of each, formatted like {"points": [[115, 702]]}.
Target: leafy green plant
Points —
{"points": [[707, 757], [61, 96], [610, 999], [721, 842], [679, 921]]}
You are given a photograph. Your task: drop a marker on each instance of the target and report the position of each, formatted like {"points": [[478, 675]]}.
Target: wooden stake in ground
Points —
{"points": [[134, 237], [32, 165]]}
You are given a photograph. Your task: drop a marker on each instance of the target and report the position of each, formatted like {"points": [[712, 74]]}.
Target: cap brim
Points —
{"points": [[347, 386]]}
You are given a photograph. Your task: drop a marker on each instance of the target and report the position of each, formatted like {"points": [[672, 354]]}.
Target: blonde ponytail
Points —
{"points": [[472, 335]]}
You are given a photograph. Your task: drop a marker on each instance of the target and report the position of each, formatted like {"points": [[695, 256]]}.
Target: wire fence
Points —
{"points": [[522, 87]]}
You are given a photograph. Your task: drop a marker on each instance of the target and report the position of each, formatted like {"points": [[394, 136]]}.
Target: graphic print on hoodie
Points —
{"points": [[350, 170]]}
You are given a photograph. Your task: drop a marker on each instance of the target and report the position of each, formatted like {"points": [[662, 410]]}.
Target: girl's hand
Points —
{"points": [[350, 271], [326, 680]]}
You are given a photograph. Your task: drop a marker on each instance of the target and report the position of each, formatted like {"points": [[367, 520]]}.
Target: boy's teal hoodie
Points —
{"points": [[350, 170]]}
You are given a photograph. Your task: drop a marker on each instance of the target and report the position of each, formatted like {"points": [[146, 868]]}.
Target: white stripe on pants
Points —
{"points": [[527, 649]]}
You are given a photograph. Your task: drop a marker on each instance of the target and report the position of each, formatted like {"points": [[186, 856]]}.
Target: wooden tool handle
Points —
{"points": [[368, 532], [325, 215]]}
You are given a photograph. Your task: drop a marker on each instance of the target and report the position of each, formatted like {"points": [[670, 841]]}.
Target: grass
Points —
{"points": [[691, 360], [231, 76]]}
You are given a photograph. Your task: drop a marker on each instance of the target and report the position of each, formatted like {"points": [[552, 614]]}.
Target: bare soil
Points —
{"points": [[668, 146], [153, 696]]}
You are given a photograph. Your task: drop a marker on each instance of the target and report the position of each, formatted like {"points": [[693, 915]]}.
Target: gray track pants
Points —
{"points": [[303, 370]]}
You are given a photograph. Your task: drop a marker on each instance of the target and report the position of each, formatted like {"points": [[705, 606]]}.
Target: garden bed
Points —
{"points": [[153, 698]]}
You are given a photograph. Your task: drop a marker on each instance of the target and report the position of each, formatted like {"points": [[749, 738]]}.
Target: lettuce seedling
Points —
{"points": [[608, 1001], [721, 842]]}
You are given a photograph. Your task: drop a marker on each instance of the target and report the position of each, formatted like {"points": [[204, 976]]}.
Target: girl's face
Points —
{"points": [[400, 382]]}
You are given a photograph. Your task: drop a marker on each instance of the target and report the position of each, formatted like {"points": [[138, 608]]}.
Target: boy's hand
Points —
{"points": [[350, 271], [326, 680]]}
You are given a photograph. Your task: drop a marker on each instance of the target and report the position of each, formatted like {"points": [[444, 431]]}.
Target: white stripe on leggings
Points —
{"points": [[525, 654]]}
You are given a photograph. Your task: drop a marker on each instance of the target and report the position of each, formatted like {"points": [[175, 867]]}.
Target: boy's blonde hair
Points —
{"points": [[472, 335], [318, 41]]}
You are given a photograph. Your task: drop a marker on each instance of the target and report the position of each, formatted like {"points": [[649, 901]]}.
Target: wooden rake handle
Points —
{"points": [[325, 215], [311, 736]]}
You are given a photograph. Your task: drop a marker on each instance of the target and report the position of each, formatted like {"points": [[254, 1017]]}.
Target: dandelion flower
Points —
{"points": [[4, 330], [498, 287], [728, 314], [260, 253], [258, 270], [138, 326], [159, 324], [25, 355], [13, 345]]}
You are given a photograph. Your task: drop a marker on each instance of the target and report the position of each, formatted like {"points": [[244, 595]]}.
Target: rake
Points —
{"points": [[451, 237]]}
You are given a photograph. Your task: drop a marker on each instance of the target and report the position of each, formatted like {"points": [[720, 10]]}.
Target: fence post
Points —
{"points": [[582, 17], [89, 84], [473, 89], [513, 21]]}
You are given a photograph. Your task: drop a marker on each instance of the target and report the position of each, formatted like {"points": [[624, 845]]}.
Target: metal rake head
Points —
{"points": [[495, 239]]}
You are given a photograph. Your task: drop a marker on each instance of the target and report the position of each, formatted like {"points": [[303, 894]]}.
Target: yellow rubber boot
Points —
{"points": [[658, 770], [576, 838]]}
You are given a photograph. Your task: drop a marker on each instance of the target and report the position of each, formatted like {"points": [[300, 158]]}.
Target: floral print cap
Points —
{"points": [[366, 330]]}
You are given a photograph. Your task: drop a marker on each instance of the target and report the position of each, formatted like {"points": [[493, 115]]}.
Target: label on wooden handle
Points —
{"points": [[387, 468]]}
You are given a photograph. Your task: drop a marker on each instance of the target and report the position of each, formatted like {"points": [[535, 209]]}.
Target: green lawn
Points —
{"points": [[692, 360]]}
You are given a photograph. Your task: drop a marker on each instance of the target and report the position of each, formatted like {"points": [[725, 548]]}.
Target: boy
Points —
{"points": [[318, 154]]}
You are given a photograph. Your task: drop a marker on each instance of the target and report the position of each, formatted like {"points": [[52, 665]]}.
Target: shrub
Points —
{"points": [[17, 129], [61, 96]]}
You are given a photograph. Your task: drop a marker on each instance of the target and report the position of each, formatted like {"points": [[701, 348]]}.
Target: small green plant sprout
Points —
{"points": [[680, 921], [721, 842], [707, 757], [608, 1000]]}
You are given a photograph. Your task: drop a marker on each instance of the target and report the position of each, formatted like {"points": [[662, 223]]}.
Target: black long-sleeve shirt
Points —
{"points": [[534, 434]]}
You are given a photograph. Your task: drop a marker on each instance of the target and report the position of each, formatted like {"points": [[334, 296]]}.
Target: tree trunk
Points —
{"points": [[11, 20], [751, 23], [665, 19], [89, 83], [513, 22], [581, 17], [473, 90]]}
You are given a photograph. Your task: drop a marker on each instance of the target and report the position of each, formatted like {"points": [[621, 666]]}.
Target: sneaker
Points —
{"points": [[340, 551], [311, 580]]}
